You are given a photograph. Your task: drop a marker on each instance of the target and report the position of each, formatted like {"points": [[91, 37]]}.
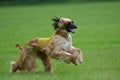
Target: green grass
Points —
{"points": [[98, 36]]}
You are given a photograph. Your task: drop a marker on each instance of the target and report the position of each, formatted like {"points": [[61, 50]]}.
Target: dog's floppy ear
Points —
{"points": [[55, 24]]}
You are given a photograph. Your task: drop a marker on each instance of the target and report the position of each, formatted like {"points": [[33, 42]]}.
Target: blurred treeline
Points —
{"points": [[13, 2]]}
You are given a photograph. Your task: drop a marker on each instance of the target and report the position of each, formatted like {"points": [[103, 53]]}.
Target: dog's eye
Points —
{"points": [[69, 23], [72, 21]]}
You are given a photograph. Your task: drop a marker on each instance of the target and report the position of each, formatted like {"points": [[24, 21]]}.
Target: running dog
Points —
{"points": [[58, 46]]}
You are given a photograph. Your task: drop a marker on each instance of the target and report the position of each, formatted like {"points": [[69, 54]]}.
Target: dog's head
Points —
{"points": [[64, 23]]}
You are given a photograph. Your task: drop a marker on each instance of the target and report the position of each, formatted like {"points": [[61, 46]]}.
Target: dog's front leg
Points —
{"points": [[77, 53], [60, 54], [66, 57]]}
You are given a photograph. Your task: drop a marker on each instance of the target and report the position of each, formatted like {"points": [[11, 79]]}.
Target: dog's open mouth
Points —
{"points": [[71, 27], [72, 30]]}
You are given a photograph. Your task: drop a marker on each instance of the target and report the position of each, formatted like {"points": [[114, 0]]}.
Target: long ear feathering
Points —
{"points": [[55, 24]]}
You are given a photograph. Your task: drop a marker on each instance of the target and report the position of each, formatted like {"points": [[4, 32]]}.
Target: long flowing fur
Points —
{"points": [[59, 47]]}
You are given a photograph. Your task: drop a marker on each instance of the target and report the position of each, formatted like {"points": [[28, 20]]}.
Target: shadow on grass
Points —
{"points": [[30, 73]]}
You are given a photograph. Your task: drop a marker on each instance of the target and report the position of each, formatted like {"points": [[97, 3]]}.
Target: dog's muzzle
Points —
{"points": [[70, 27]]}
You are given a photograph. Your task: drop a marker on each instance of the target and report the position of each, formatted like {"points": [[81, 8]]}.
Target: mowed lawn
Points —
{"points": [[97, 35]]}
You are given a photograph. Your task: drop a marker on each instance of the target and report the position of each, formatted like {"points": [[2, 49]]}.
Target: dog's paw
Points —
{"points": [[12, 65], [73, 60]]}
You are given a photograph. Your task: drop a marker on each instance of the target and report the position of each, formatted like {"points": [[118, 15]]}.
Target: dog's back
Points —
{"points": [[43, 41]]}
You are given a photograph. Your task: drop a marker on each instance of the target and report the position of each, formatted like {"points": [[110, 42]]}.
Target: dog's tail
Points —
{"points": [[18, 46]]}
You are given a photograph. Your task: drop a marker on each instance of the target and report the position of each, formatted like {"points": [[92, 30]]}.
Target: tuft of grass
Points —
{"points": [[97, 36]]}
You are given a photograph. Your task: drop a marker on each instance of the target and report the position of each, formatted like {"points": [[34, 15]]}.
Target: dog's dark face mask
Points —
{"points": [[70, 27]]}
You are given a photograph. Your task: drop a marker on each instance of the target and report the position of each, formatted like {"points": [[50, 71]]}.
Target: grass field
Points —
{"points": [[98, 36]]}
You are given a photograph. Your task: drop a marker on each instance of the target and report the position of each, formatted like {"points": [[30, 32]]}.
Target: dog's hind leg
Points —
{"points": [[14, 67], [46, 61], [43, 56]]}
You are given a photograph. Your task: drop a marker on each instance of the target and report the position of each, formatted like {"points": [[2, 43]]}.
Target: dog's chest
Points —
{"points": [[63, 43]]}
